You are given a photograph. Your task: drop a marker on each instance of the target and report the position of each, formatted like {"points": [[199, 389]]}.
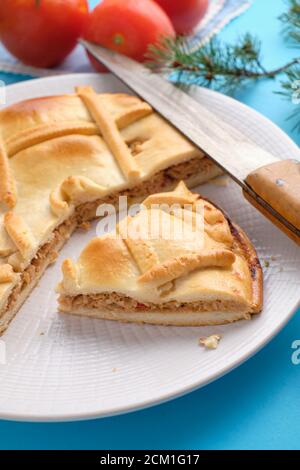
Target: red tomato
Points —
{"points": [[41, 32], [128, 26], [184, 14]]}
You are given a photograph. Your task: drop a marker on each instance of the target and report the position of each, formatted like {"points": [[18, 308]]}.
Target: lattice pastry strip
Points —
{"points": [[110, 132], [38, 134], [6, 273], [8, 192], [180, 266], [20, 233], [158, 264]]}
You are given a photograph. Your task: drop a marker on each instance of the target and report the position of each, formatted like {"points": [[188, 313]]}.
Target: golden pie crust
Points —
{"points": [[60, 157], [205, 273]]}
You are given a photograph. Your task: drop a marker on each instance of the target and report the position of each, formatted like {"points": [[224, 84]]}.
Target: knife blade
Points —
{"points": [[272, 185]]}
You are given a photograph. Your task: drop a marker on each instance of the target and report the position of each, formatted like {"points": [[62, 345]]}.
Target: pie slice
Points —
{"points": [[60, 157], [179, 261]]}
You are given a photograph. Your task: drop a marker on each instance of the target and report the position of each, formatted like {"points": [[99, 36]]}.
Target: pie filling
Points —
{"points": [[116, 302], [163, 180]]}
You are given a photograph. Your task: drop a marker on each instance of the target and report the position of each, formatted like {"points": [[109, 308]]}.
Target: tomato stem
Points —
{"points": [[118, 39]]}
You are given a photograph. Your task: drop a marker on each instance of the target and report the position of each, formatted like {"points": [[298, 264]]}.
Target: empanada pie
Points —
{"points": [[178, 261], [60, 157]]}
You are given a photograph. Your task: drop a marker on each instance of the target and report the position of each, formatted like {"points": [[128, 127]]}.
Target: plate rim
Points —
{"points": [[184, 390], [143, 405]]}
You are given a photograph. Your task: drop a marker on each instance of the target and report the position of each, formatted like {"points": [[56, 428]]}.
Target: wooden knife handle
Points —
{"points": [[278, 184]]}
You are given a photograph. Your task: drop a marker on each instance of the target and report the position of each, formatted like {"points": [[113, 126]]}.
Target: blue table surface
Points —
{"points": [[257, 406]]}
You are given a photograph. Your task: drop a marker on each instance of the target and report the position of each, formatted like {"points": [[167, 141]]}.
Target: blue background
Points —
{"points": [[256, 406]]}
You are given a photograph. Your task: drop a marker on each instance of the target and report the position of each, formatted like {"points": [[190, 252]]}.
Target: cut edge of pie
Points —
{"points": [[37, 128], [129, 282]]}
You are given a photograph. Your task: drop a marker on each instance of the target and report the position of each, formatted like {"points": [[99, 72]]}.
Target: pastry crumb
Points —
{"points": [[53, 257], [210, 342], [85, 226], [114, 369]]}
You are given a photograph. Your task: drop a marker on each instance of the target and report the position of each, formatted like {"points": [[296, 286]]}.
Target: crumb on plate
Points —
{"points": [[210, 342]]}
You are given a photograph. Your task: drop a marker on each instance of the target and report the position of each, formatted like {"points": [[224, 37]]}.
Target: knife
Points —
{"points": [[270, 184]]}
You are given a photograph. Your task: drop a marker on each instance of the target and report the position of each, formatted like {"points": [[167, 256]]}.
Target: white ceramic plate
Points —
{"points": [[63, 367]]}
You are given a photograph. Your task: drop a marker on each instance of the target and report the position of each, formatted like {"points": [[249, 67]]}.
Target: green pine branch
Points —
{"points": [[228, 67], [291, 21], [291, 82], [291, 91], [224, 67]]}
